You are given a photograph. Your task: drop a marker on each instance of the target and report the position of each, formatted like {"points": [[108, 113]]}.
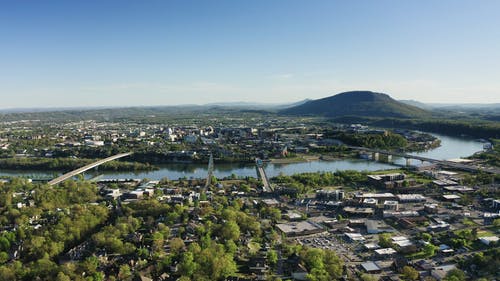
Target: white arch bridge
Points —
{"points": [[87, 167]]}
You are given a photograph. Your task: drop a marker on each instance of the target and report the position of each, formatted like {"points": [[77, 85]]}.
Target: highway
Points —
{"points": [[87, 167], [445, 163]]}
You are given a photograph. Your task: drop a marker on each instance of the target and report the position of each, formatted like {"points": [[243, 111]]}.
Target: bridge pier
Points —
{"points": [[408, 162], [375, 156], [389, 158]]}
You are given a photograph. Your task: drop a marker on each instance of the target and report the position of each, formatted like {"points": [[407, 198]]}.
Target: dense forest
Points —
{"points": [[381, 141], [472, 128]]}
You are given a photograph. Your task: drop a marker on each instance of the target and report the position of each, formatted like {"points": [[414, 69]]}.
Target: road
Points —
{"points": [[265, 181], [262, 175]]}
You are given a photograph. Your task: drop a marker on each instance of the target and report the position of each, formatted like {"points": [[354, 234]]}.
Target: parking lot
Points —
{"points": [[336, 243]]}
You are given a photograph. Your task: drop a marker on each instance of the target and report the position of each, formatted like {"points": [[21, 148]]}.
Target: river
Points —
{"points": [[451, 147]]}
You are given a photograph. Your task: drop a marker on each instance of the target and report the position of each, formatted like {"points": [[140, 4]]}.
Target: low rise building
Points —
{"points": [[299, 228], [459, 188], [270, 202], [439, 226], [377, 226], [385, 252], [404, 244], [431, 208], [451, 197], [354, 237], [410, 198], [371, 267], [440, 272], [391, 205], [379, 196], [359, 211], [487, 240], [370, 202], [327, 195], [400, 214], [489, 218]]}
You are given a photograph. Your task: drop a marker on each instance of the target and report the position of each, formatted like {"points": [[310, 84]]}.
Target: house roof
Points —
{"points": [[370, 266]]}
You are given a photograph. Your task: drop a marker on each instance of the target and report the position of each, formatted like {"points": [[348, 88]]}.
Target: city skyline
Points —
{"points": [[124, 53]]}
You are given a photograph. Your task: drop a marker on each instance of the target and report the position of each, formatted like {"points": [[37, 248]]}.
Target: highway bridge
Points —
{"points": [[87, 167], [262, 175], [445, 163], [210, 171]]}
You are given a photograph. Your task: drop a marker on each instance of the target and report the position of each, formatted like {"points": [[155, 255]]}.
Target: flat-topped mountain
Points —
{"points": [[357, 103]]}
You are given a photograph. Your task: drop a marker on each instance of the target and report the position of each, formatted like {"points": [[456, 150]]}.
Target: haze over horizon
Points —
{"points": [[125, 53]]}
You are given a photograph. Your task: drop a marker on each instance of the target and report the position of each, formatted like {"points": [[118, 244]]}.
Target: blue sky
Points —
{"points": [[102, 53]]}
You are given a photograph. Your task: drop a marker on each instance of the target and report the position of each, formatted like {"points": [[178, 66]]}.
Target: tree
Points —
{"points": [[157, 244], [384, 240], [313, 258], [426, 236], [4, 257], [231, 247], [124, 273], [430, 250], [214, 263], [333, 264], [187, 266], [4, 244], [176, 245], [455, 275], [272, 257], [318, 274], [230, 231], [7, 273], [62, 277], [368, 277], [410, 273]]}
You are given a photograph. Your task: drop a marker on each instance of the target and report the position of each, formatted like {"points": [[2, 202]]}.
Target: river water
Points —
{"points": [[451, 147]]}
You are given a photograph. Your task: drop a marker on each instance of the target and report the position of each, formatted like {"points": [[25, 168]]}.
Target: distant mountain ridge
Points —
{"points": [[357, 103], [417, 104]]}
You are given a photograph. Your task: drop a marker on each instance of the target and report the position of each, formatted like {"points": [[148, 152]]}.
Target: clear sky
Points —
{"points": [[102, 53]]}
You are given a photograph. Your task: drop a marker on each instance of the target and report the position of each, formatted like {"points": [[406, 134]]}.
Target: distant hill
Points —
{"points": [[417, 104], [357, 103], [290, 105]]}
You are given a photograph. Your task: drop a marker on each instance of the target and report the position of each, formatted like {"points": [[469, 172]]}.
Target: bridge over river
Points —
{"points": [[87, 167], [445, 163], [266, 186]]}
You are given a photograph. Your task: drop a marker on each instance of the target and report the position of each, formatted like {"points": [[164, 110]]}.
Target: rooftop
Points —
{"points": [[375, 195], [298, 227], [370, 266], [385, 251], [411, 197]]}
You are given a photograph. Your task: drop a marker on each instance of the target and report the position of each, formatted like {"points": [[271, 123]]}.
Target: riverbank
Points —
{"points": [[299, 158], [310, 158]]}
